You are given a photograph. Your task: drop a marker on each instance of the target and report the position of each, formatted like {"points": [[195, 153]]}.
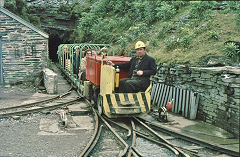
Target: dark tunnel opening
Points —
{"points": [[54, 41]]}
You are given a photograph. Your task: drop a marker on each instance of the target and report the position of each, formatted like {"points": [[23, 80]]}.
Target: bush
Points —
{"points": [[154, 42], [201, 9], [233, 5], [213, 35], [182, 40], [137, 31], [238, 19], [232, 51], [166, 11], [103, 30], [166, 27], [122, 41], [35, 20]]}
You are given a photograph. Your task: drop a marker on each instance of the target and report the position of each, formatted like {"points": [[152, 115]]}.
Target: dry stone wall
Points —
{"points": [[219, 89], [24, 51]]}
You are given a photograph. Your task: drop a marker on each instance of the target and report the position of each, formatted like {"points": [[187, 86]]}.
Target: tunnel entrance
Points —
{"points": [[54, 41], [57, 37]]}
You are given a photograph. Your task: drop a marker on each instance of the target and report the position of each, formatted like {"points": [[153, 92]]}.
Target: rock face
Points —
{"points": [[50, 18], [52, 3], [218, 87], [50, 81]]}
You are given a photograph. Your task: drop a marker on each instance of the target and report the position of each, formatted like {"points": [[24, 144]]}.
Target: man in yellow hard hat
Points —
{"points": [[140, 69]]}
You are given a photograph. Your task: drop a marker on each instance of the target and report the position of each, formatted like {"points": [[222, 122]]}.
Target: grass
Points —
{"points": [[208, 38]]}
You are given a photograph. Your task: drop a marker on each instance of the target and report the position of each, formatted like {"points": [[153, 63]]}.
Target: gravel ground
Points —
{"points": [[28, 137], [13, 95]]}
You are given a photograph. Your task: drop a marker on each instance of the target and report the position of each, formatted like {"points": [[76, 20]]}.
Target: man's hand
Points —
{"points": [[110, 63], [139, 72]]}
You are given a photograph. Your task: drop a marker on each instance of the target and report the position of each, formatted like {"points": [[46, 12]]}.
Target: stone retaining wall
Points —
{"points": [[219, 89]]}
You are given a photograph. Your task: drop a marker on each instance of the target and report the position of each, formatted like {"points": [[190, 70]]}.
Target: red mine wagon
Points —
{"points": [[94, 66]]}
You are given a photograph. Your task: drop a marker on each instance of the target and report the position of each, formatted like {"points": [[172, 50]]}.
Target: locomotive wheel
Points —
{"points": [[100, 104]]}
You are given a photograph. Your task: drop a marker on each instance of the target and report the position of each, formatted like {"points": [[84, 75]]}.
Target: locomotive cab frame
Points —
{"points": [[114, 104], [101, 86]]}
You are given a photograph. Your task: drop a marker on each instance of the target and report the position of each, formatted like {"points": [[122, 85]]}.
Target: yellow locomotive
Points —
{"points": [[102, 80]]}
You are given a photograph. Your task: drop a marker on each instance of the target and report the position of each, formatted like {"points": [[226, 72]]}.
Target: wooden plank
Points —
{"points": [[166, 97], [170, 97], [155, 94], [153, 90], [174, 97], [187, 104], [180, 101], [158, 94], [192, 106], [176, 101], [1, 67], [183, 101], [162, 95]]}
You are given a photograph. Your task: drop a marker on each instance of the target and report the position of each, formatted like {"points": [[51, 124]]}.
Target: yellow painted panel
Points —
{"points": [[121, 97], [140, 100], [130, 97], [114, 102], [148, 97], [105, 105], [107, 79]]}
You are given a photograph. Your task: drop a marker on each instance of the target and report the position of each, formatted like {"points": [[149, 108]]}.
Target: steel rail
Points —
{"points": [[123, 153], [95, 137], [143, 135], [159, 143], [197, 141], [4, 115], [130, 152], [160, 137], [38, 102], [94, 142]]}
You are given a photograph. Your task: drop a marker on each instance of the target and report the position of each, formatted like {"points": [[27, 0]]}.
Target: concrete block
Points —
{"points": [[50, 81]]}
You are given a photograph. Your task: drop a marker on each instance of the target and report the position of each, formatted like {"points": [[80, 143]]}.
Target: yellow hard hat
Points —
{"points": [[139, 44], [65, 46]]}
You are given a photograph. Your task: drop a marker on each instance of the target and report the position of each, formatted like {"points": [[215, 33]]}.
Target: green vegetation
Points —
{"points": [[181, 32], [19, 8], [232, 51]]}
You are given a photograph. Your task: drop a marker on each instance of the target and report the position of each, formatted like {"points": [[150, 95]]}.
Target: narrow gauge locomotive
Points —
{"points": [[100, 85]]}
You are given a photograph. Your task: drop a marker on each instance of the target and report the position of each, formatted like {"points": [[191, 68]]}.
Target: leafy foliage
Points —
{"points": [[201, 9], [19, 7], [179, 28], [182, 40], [232, 51], [214, 35], [134, 18]]}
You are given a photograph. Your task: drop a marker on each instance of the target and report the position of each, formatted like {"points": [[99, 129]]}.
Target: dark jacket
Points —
{"points": [[147, 65]]}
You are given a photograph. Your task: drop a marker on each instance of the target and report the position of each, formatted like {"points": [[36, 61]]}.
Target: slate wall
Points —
{"points": [[24, 51], [219, 89]]}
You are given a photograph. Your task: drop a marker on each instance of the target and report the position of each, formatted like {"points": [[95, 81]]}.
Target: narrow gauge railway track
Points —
{"points": [[47, 104], [128, 150], [158, 139], [154, 137], [129, 146], [177, 149]]}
